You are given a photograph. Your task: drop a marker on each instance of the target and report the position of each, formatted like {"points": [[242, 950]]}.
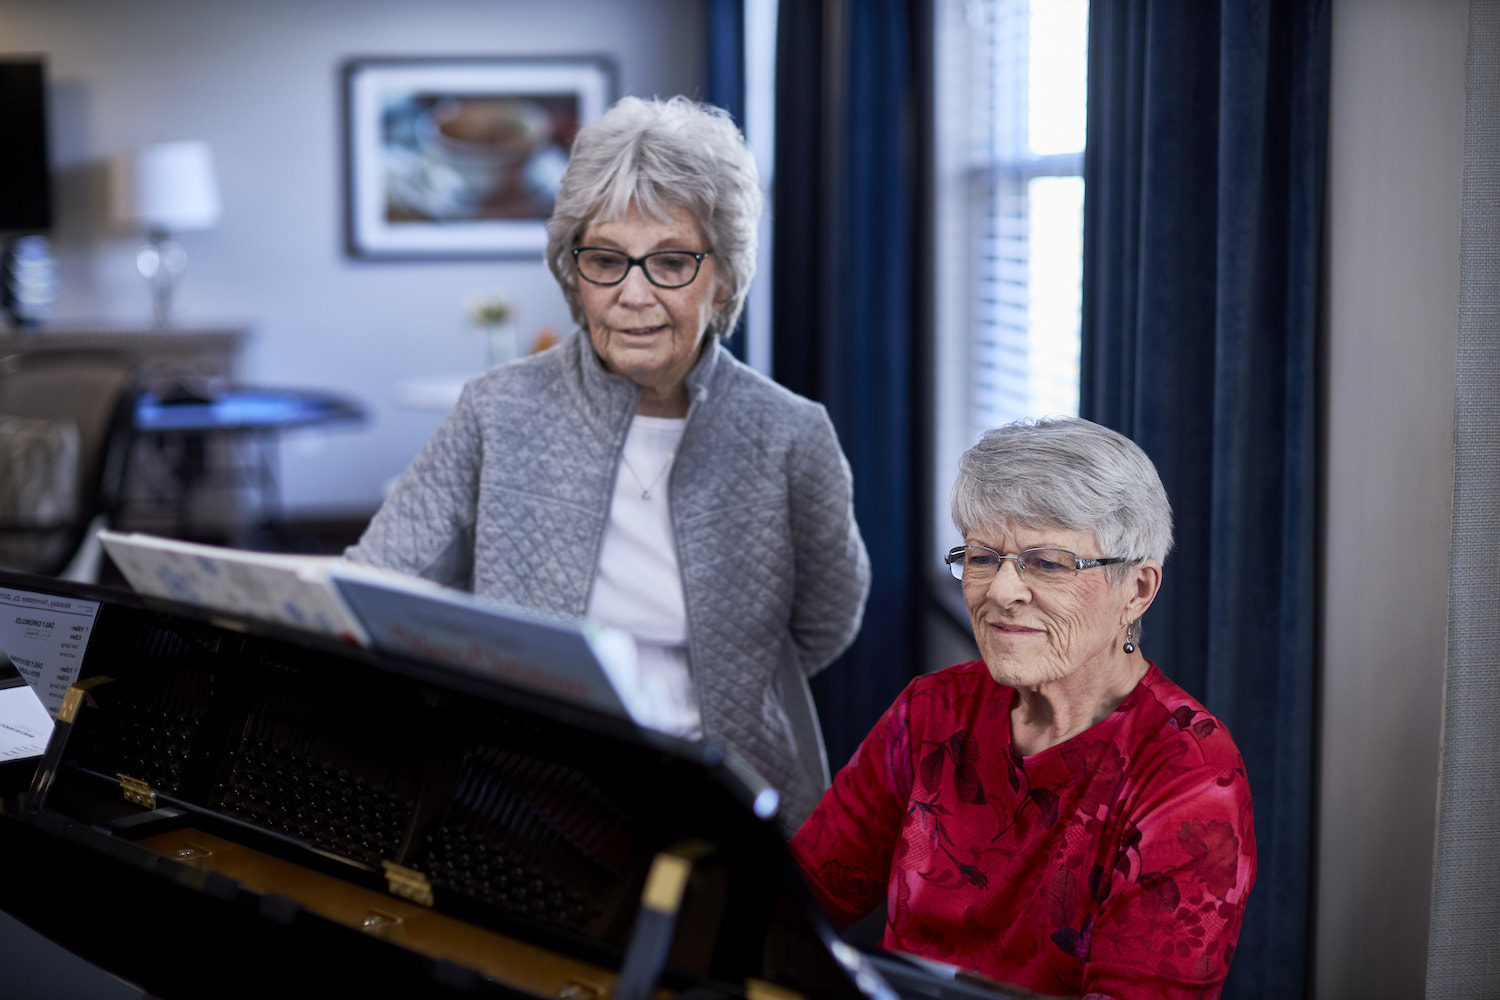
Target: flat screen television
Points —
{"points": [[25, 165]]}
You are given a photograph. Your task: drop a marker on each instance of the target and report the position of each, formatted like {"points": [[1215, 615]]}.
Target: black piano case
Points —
{"points": [[232, 809]]}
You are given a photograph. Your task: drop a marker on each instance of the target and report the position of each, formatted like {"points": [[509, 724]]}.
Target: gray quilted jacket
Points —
{"points": [[509, 499]]}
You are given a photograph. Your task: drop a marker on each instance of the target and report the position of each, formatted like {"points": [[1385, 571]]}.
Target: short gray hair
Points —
{"points": [[657, 155], [1069, 473]]}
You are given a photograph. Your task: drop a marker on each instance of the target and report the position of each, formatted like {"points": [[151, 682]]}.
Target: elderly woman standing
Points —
{"points": [[1058, 816], [637, 474]]}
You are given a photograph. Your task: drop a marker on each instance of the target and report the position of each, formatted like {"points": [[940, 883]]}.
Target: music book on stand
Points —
{"points": [[570, 660]]}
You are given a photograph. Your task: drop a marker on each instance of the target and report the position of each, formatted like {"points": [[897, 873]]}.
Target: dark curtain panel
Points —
{"points": [[726, 88], [1204, 174], [726, 57], [845, 303]]}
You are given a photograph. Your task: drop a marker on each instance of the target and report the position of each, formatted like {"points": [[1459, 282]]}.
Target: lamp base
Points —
{"points": [[161, 262]]}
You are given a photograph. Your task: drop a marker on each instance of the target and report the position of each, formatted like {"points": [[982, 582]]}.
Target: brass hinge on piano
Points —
{"points": [[137, 791], [408, 884]]}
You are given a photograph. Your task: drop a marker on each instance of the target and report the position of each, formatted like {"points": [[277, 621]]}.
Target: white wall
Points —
{"points": [[1395, 178], [260, 82]]}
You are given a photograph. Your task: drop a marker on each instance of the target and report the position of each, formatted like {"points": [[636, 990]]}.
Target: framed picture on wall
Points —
{"points": [[461, 157]]}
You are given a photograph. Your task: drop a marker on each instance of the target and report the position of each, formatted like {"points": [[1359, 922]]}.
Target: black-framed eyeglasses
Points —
{"points": [[664, 268], [980, 563]]}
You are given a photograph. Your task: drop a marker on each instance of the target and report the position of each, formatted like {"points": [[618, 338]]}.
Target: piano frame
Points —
{"points": [[228, 808]]}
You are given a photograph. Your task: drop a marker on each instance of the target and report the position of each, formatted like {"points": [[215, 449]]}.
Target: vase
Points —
{"points": [[501, 339]]}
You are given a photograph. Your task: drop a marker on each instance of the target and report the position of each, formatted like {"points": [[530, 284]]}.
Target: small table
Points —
{"points": [[436, 394], [236, 412]]}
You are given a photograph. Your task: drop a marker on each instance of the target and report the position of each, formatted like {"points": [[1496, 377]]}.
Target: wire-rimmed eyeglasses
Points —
{"points": [[664, 268], [980, 563]]}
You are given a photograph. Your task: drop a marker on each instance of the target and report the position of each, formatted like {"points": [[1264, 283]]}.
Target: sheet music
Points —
{"points": [[558, 657], [44, 636], [25, 726], [291, 589]]}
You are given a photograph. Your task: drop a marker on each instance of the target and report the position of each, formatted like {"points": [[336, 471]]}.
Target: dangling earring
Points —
{"points": [[1131, 631]]}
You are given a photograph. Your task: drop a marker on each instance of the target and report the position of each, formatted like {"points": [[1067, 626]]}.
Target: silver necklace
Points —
{"points": [[646, 488]]}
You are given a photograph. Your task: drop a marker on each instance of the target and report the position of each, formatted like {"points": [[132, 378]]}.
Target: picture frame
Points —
{"points": [[461, 156]]}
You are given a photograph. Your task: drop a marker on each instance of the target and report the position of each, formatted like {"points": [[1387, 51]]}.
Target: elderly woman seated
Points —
{"points": [[1058, 816]]}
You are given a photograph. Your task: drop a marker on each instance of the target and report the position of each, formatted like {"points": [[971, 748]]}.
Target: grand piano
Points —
{"points": [[230, 808]]}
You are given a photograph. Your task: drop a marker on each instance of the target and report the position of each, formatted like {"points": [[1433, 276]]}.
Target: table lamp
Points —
{"points": [[165, 188]]}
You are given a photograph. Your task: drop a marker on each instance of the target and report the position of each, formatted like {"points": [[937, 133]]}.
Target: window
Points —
{"points": [[760, 133], [1010, 102]]}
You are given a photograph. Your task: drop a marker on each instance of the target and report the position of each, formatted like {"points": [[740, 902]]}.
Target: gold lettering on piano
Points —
{"points": [[531, 969], [407, 883]]}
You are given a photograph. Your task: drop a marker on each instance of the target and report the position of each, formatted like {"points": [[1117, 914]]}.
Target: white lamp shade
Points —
{"points": [[167, 185]]}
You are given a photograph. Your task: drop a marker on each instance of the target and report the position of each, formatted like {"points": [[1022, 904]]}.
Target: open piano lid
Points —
{"points": [[228, 808]]}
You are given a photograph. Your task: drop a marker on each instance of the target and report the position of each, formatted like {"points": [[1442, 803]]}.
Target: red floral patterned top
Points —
{"points": [[1114, 864]]}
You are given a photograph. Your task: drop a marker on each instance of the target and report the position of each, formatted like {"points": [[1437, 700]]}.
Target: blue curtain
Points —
{"points": [[845, 314], [1204, 173], [725, 74], [726, 57]]}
